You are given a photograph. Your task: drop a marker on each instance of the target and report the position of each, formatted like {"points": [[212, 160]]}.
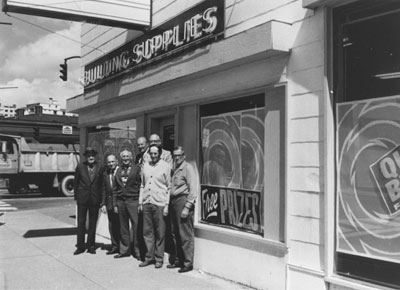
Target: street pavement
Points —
{"points": [[36, 253]]}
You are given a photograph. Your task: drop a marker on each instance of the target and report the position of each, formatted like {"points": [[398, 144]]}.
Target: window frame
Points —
{"points": [[343, 16]]}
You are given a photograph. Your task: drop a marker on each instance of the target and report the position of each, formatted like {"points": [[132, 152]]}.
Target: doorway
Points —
{"points": [[165, 128]]}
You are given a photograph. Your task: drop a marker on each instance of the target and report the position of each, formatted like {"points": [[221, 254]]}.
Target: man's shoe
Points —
{"points": [[146, 263], [172, 266], [158, 265], [91, 250], [112, 251], [121, 256], [78, 251], [185, 269]]}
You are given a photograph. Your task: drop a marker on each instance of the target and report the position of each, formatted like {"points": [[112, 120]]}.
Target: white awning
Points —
{"points": [[133, 14]]}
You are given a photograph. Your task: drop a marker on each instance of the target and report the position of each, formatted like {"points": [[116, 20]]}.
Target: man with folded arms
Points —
{"points": [[184, 190], [153, 202]]}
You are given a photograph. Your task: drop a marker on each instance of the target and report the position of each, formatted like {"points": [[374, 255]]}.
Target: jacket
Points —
{"points": [[132, 186], [107, 189], [86, 191]]}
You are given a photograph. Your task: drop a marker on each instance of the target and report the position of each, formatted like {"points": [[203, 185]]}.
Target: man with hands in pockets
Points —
{"points": [[184, 190]]}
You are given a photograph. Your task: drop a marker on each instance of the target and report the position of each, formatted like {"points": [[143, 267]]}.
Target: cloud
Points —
{"points": [[34, 68], [41, 59], [38, 91]]}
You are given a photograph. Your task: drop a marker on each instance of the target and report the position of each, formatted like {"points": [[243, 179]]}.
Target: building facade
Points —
{"points": [[7, 111], [289, 110], [51, 108]]}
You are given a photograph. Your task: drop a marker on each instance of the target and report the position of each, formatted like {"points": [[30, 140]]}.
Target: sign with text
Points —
{"points": [[67, 130], [234, 208], [204, 22], [368, 183], [386, 173], [134, 14]]}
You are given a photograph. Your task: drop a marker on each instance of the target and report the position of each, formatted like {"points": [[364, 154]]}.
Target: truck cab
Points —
{"points": [[9, 154]]}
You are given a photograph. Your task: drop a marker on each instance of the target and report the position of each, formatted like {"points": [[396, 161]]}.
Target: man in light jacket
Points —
{"points": [[153, 202]]}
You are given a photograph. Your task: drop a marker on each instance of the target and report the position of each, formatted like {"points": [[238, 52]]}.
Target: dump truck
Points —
{"points": [[48, 166]]}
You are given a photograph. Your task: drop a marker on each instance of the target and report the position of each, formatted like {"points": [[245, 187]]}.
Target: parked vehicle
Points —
{"points": [[49, 166]]}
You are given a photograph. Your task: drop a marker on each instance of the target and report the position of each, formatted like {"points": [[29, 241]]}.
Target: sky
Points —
{"points": [[30, 57]]}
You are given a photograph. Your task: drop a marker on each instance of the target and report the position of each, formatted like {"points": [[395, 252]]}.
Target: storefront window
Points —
{"points": [[368, 141], [112, 138], [232, 137]]}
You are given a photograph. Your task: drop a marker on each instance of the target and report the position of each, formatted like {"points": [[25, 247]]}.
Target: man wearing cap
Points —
{"points": [[87, 193], [184, 190]]}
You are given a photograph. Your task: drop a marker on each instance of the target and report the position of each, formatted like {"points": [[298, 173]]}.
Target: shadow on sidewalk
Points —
{"points": [[50, 232]]}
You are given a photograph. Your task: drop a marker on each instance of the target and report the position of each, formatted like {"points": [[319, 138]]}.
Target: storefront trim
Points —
{"points": [[242, 240], [353, 284], [314, 4], [203, 62]]}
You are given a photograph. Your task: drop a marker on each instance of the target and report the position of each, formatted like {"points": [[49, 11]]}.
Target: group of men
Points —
{"points": [[141, 196]]}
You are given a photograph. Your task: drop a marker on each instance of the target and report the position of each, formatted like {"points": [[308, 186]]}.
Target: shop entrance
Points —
{"points": [[165, 128]]}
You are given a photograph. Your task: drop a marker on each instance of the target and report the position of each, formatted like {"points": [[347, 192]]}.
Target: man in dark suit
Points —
{"points": [[107, 204], [125, 200], [87, 192]]}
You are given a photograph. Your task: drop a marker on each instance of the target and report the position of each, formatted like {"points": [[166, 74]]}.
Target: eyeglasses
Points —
{"points": [[152, 153], [178, 155]]}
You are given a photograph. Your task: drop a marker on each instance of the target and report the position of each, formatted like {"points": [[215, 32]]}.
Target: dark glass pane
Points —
{"points": [[372, 57]]}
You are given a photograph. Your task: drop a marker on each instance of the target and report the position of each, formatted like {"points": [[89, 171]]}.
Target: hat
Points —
{"points": [[90, 151]]}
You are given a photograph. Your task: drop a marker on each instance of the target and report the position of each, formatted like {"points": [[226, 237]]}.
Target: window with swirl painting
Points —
{"points": [[112, 138], [232, 175], [367, 77]]}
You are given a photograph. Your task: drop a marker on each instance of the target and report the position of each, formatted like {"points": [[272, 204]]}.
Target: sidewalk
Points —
{"points": [[36, 253]]}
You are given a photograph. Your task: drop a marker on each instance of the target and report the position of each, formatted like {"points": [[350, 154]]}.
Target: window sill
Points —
{"points": [[354, 284], [240, 239]]}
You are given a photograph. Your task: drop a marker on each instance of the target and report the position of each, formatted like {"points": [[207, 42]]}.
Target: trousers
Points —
{"points": [[154, 232], [128, 211], [182, 231], [114, 228], [93, 211]]}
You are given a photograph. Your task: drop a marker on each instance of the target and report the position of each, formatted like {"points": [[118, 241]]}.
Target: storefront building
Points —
{"points": [[289, 110]]}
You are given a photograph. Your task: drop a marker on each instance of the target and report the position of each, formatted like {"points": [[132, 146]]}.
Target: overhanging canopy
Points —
{"points": [[133, 14]]}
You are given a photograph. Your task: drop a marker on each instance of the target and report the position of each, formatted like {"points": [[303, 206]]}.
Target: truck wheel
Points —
{"points": [[67, 186], [45, 188], [12, 186]]}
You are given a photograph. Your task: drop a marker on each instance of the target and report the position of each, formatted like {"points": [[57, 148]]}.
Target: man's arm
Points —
{"points": [[142, 184], [193, 183], [77, 178]]}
